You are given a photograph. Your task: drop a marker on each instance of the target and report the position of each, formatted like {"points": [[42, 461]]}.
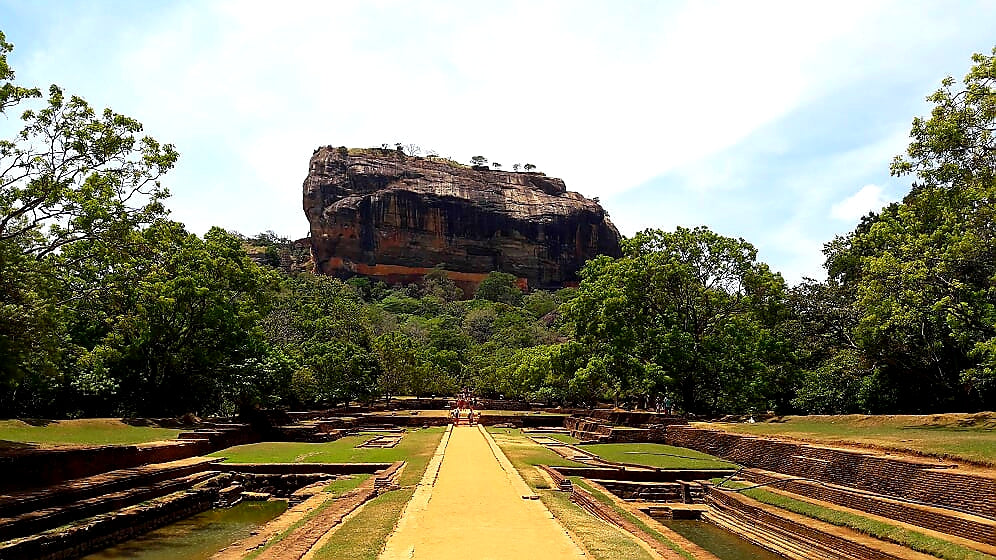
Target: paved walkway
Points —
{"points": [[470, 505]]}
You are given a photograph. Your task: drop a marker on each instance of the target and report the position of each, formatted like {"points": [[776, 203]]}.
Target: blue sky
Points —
{"points": [[771, 121]]}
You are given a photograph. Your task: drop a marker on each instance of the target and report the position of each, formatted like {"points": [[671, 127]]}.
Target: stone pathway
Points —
{"points": [[473, 507]]}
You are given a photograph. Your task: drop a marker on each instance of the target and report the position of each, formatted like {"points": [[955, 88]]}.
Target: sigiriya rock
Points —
{"points": [[381, 214]]}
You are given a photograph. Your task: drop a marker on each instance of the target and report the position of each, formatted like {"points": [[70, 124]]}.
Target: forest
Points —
{"points": [[107, 307]]}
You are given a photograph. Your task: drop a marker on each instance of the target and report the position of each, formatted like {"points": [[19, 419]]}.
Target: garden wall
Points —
{"points": [[910, 480], [24, 469]]}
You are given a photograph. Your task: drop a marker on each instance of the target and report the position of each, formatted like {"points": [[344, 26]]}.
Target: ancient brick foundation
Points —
{"points": [[106, 530], [908, 480]]}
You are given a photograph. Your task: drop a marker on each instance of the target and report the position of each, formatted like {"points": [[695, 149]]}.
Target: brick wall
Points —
{"points": [[43, 467], [976, 529], [875, 473], [807, 536], [106, 530]]}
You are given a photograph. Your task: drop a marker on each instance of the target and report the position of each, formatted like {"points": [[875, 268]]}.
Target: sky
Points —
{"points": [[771, 121]]}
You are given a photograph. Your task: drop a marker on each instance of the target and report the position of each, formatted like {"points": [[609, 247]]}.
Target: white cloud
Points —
{"points": [[868, 198], [609, 96]]}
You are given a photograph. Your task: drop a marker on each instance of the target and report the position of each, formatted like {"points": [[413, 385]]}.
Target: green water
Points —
{"points": [[197, 537], [724, 544]]}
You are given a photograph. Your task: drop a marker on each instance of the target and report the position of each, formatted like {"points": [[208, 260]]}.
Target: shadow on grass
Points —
{"points": [[6, 446]]}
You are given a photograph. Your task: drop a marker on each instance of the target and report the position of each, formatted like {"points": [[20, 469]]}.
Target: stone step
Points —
{"points": [[767, 539], [47, 518], [91, 534], [961, 524], [835, 542], [83, 488]]}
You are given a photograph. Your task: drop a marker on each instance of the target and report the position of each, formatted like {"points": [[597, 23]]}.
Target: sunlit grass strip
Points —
{"points": [[656, 455], [340, 486], [417, 451], [91, 431], [607, 500], [603, 541], [363, 534], [872, 527]]}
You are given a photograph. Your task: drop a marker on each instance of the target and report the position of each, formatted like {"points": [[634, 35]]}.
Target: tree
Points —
{"points": [[528, 167], [691, 312], [500, 287], [539, 303], [479, 161], [515, 167], [173, 325], [71, 181], [496, 165], [438, 284], [72, 175], [402, 365], [920, 273]]}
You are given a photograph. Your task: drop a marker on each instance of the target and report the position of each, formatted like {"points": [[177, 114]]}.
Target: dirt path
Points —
{"points": [[476, 509]]}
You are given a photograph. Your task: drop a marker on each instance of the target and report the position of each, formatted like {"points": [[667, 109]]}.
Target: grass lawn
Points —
{"points": [[878, 529], [411, 448], [968, 437], [340, 486], [656, 455], [522, 450], [91, 431], [602, 540], [365, 531], [362, 536]]}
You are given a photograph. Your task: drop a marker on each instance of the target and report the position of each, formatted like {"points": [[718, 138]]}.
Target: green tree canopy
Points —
{"points": [[922, 272], [499, 287], [691, 312]]}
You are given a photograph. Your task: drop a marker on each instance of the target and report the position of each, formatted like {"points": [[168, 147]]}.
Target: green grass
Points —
{"points": [[607, 500], [340, 486], [521, 449], [413, 448], [967, 437], [878, 529], [656, 455], [362, 536], [603, 540], [92, 431]]}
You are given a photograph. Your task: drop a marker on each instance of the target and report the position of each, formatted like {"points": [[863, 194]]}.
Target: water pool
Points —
{"points": [[722, 543], [197, 537]]}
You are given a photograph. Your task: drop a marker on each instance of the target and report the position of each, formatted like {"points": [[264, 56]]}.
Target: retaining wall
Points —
{"points": [[937, 519], [301, 468], [918, 481], [106, 530], [823, 544], [643, 475], [43, 467]]}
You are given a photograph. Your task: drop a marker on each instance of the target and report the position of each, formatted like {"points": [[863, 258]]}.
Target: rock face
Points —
{"points": [[381, 214]]}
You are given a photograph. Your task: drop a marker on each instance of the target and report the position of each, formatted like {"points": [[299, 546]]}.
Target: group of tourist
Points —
{"points": [[469, 404]]}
